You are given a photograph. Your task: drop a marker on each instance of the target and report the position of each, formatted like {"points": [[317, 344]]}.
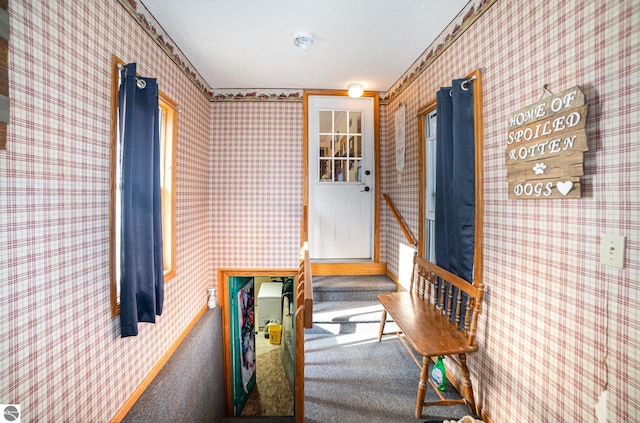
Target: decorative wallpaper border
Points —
{"points": [[140, 13], [256, 95], [464, 20], [457, 27]]}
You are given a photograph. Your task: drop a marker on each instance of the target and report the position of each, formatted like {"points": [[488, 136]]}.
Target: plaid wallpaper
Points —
{"points": [[61, 357], [558, 327], [256, 184]]}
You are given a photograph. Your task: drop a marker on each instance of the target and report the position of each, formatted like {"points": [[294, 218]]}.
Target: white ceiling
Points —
{"points": [[246, 44]]}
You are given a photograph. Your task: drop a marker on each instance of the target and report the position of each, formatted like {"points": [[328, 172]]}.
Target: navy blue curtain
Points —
{"points": [[455, 179], [142, 271]]}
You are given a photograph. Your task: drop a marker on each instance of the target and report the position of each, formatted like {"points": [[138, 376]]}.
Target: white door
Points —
{"points": [[341, 164]]}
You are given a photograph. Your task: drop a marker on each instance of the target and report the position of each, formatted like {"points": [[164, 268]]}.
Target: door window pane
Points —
{"points": [[355, 171], [355, 146], [340, 149], [355, 123], [325, 149], [326, 171], [326, 122], [340, 122], [340, 170]]}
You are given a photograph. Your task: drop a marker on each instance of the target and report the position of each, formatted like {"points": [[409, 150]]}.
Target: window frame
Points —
{"points": [[430, 145], [168, 110], [423, 111], [168, 134]]}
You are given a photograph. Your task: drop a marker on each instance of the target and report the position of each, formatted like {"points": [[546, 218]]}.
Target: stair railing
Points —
{"points": [[304, 291], [303, 319], [400, 221]]}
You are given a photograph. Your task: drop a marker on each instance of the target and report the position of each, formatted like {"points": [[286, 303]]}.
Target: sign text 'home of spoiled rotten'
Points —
{"points": [[546, 142]]}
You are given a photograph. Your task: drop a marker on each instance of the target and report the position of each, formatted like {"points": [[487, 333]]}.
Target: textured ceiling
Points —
{"points": [[247, 44]]}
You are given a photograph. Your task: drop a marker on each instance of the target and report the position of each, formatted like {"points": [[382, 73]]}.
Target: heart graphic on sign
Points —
{"points": [[564, 187]]}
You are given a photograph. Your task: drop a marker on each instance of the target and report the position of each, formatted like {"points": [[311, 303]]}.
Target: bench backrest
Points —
{"points": [[454, 297]]}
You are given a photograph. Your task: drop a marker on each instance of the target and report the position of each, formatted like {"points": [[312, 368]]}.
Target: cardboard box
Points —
{"points": [[275, 333]]}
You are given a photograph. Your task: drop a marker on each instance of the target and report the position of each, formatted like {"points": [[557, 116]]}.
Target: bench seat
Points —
{"points": [[437, 316], [425, 328]]}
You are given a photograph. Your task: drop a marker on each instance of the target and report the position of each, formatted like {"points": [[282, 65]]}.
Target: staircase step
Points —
{"points": [[351, 288], [347, 311], [366, 330], [265, 419]]}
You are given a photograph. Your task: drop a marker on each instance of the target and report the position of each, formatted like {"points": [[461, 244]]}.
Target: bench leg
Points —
{"points": [[383, 320], [467, 389], [422, 386]]}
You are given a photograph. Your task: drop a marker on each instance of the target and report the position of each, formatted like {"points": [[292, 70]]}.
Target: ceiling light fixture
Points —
{"points": [[355, 90], [303, 40]]}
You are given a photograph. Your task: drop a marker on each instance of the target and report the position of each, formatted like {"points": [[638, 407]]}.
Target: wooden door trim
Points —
{"points": [[223, 302], [376, 160]]}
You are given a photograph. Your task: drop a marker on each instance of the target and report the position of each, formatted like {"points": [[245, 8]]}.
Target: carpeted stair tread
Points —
{"points": [[347, 311], [284, 419], [354, 283], [351, 288], [321, 329]]}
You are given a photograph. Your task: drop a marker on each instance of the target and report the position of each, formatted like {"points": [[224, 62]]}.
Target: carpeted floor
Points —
{"points": [[351, 377]]}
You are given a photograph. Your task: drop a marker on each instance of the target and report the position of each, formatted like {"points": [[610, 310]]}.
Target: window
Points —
{"points": [[430, 121], [340, 146], [427, 124], [168, 118], [168, 125]]}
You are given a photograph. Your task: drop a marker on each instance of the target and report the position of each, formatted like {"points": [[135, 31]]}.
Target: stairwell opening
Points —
{"points": [[258, 369]]}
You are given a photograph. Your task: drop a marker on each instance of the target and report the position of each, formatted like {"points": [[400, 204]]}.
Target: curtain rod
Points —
{"points": [[121, 67]]}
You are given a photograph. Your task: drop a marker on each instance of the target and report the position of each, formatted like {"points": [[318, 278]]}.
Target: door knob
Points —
{"points": [[367, 172], [365, 189]]}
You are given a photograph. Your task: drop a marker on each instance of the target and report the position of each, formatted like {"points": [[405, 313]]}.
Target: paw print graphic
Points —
{"points": [[539, 168]]}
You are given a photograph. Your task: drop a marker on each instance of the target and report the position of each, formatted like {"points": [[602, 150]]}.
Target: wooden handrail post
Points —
{"points": [[303, 319]]}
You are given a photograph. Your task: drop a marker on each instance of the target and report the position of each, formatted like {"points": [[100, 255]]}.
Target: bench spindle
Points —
{"points": [[458, 306]]}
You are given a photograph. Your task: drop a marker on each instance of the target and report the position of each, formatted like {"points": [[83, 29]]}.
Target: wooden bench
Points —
{"points": [[436, 320]]}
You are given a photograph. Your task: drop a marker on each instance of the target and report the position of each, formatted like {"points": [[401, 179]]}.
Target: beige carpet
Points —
{"points": [[272, 395]]}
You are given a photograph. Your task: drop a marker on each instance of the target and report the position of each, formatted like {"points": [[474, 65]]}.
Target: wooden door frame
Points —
{"points": [[373, 267], [223, 300]]}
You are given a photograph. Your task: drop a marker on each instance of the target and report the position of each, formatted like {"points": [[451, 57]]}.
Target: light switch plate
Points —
{"points": [[612, 250]]}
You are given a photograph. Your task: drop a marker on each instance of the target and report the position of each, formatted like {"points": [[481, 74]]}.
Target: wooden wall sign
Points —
{"points": [[546, 142]]}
